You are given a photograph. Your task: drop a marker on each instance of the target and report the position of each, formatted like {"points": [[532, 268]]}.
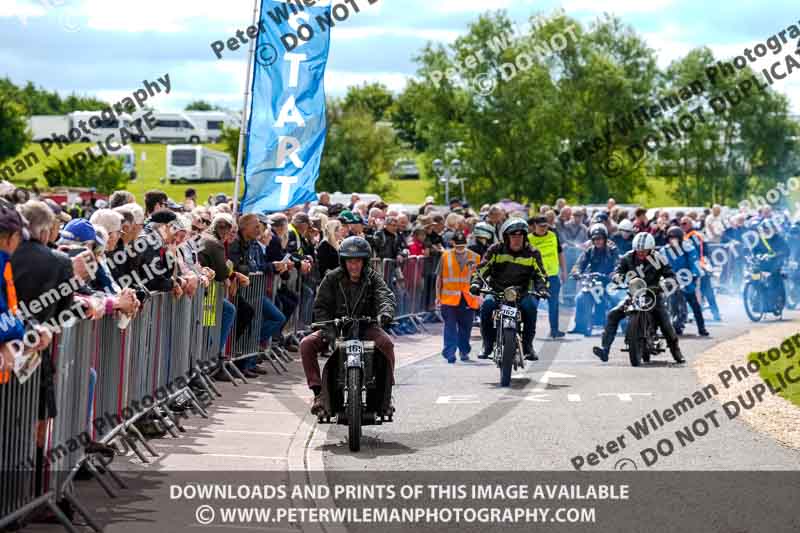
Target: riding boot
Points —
{"points": [[675, 350]]}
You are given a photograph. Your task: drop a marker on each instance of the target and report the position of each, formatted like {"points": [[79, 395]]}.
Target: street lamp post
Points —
{"points": [[446, 174]]}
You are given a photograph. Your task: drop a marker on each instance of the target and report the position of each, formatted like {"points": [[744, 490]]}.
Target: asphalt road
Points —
{"points": [[456, 417]]}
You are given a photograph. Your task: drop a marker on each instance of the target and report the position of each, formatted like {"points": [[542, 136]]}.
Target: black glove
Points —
{"points": [[385, 320], [475, 289]]}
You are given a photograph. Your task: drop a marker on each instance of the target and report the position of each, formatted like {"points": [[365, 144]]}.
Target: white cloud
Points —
{"points": [[618, 7], [347, 34], [463, 6], [668, 44], [166, 16], [21, 10]]}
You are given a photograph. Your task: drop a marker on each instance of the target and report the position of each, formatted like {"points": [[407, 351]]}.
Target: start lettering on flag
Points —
{"points": [[287, 112]]}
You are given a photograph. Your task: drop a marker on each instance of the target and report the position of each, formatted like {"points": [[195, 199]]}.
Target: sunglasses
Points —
{"points": [[205, 221]]}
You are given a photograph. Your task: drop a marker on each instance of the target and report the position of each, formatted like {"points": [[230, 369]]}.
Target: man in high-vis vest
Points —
{"points": [[546, 241], [706, 291], [458, 305]]}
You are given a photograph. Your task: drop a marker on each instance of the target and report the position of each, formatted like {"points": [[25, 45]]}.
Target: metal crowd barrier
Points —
{"points": [[244, 340], [18, 420]]}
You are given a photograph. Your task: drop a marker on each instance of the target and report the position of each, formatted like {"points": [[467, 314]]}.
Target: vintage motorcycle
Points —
{"points": [[508, 326], [642, 340], [678, 312], [755, 294], [356, 383]]}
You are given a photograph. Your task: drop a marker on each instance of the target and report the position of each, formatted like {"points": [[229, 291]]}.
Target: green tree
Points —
{"points": [[746, 147], [230, 140], [526, 101], [358, 152], [104, 174], [13, 129], [201, 105], [374, 97]]}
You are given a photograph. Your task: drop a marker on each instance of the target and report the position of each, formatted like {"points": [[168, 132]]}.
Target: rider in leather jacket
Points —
{"points": [[600, 258], [646, 263], [514, 262], [353, 289]]}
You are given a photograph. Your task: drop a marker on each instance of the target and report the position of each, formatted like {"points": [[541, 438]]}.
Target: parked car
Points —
{"points": [[405, 169]]}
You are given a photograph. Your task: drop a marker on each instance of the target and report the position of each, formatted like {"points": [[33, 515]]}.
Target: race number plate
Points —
{"points": [[507, 310], [755, 276], [354, 350]]}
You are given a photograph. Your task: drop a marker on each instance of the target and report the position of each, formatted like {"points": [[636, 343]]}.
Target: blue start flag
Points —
{"points": [[287, 114]]}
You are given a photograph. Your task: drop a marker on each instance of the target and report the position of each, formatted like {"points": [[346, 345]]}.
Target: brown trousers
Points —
{"points": [[312, 345]]}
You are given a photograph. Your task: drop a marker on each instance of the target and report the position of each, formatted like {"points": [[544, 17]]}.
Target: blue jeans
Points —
{"points": [[707, 292], [457, 328], [584, 317], [552, 303], [528, 305], [272, 320], [228, 314]]}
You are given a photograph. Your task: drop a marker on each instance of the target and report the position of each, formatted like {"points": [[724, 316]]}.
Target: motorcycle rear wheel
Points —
{"points": [[753, 302], [509, 351], [354, 408]]}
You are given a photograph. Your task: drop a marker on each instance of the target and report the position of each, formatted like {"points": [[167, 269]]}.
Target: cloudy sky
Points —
{"points": [[107, 47]]}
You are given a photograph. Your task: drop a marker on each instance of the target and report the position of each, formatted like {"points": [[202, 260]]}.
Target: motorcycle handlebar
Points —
{"points": [[339, 321]]}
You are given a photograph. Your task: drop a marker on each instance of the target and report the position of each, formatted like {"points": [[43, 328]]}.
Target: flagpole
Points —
{"points": [[245, 122]]}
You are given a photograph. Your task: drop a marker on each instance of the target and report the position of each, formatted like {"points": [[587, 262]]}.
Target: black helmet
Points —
{"points": [[354, 248], [598, 230], [674, 232]]}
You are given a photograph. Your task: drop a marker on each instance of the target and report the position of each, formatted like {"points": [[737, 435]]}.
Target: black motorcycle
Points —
{"points": [[755, 294], [356, 384], [642, 340], [508, 324]]}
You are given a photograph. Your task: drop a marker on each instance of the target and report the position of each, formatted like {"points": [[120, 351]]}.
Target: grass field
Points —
{"points": [[792, 390], [151, 168]]}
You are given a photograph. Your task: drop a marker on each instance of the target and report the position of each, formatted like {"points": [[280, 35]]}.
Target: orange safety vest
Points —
{"points": [[699, 238], [11, 300], [455, 281]]}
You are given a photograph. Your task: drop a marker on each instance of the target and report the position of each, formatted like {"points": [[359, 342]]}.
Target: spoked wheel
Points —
{"points": [[354, 408], [753, 302], [509, 351]]}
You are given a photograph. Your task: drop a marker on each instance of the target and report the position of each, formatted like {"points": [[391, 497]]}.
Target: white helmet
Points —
{"points": [[625, 225], [643, 241]]}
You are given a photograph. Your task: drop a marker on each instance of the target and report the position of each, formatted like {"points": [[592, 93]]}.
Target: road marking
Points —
{"points": [[246, 456], [573, 397], [625, 396], [550, 374], [458, 398]]}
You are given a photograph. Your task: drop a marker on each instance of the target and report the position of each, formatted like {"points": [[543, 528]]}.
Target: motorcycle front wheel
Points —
{"points": [[509, 351], [635, 338], [354, 408], [753, 302]]}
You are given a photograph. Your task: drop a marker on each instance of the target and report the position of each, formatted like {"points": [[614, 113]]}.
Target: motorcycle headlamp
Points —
{"points": [[510, 294], [637, 285]]}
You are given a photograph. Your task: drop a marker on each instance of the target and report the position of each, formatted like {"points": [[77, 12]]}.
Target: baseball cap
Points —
{"points": [[78, 230], [537, 220], [57, 210], [429, 199]]}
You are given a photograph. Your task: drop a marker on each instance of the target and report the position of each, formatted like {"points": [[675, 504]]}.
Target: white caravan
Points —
{"points": [[173, 127], [197, 163], [99, 128], [45, 126], [212, 122]]}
